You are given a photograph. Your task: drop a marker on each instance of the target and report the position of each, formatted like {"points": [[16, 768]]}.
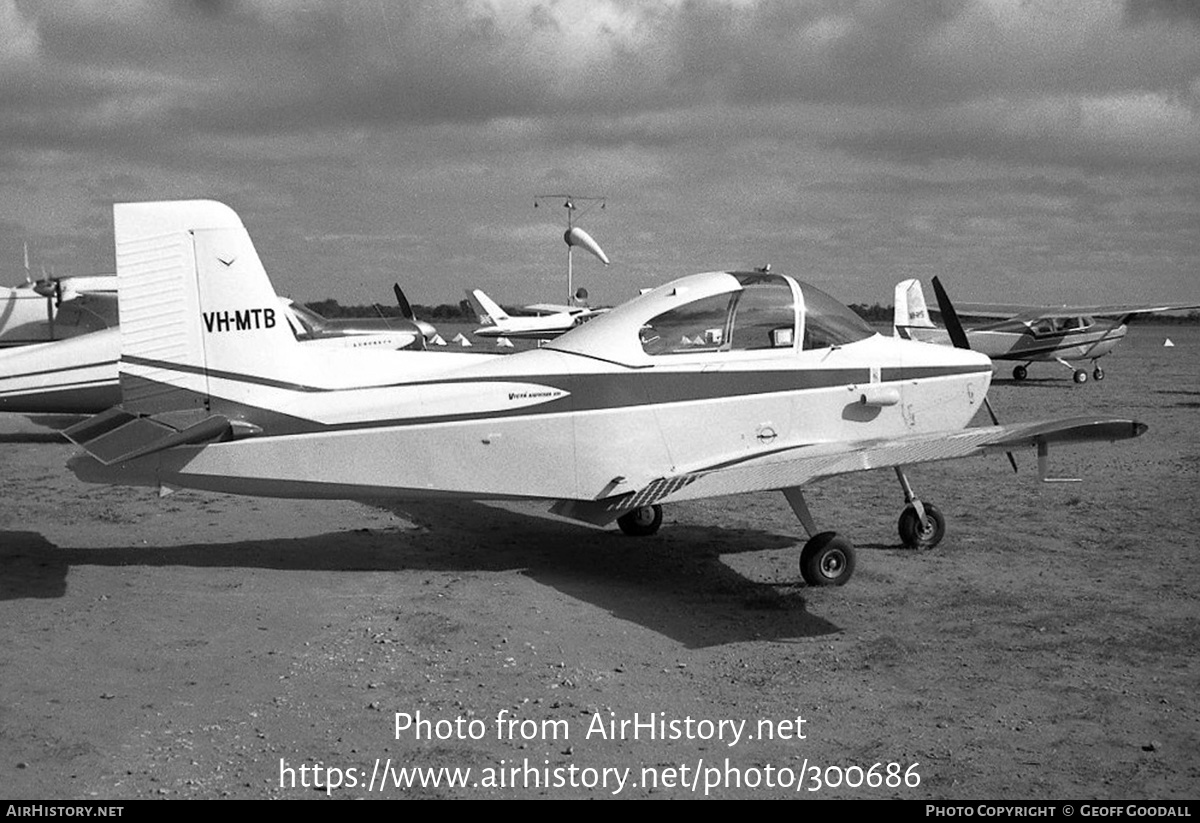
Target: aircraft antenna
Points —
{"points": [[576, 208]]}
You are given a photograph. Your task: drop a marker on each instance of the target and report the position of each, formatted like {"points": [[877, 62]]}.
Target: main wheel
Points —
{"points": [[827, 560], [1080, 376], [642, 521], [1098, 373], [915, 537], [1020, 372]]}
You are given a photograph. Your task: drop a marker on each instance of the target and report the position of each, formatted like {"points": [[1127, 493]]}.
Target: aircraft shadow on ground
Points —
{"points": [[1060, 383], [661, 582], [33, 437], [1182, 404]]}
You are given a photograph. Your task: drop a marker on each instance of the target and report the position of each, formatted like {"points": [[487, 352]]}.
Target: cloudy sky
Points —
{"points": [[1045, 150]]}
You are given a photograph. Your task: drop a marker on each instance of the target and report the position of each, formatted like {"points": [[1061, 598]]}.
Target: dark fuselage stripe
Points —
{"points": [[715, 383], [583, 393], [58, 370]]}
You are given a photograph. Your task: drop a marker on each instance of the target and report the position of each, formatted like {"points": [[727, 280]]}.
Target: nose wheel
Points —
{"points": [[917, 535], [921, 524]]}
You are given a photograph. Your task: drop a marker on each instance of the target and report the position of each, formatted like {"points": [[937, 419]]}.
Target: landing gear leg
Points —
{"points": [[827, 559], [921, 525]]}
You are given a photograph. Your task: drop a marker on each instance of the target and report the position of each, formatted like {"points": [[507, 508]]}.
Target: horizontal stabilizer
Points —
{"points": [[116, 435]]}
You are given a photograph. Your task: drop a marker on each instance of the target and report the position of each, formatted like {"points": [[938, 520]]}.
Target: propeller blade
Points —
{"points": [[405, 309], [382, 314], [950, 317], [959, 337]]}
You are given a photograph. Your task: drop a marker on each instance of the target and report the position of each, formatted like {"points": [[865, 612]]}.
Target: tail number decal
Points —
{"points": [[219, 321]]}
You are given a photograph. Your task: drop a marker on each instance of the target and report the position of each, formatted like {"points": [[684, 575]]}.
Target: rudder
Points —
{"points": [[909, 310], [489, 310], [195, 302]]}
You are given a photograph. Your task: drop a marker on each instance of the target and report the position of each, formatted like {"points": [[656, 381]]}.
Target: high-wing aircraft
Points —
{"points": [[40, 311], [1025, 333], [78, 375], [714, 384], [544, 321]]}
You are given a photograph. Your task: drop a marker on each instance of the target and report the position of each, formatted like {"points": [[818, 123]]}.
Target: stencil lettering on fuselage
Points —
{"points": [[245, 320]]}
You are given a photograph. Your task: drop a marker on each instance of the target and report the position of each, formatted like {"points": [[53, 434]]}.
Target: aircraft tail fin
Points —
{"points": [[910, 310], [489, 311], [195, 305]]}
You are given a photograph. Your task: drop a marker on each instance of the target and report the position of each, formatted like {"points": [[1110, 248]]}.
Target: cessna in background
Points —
{"points": [[544, 321], [713, 384], [78, 375], [1026, 334]]}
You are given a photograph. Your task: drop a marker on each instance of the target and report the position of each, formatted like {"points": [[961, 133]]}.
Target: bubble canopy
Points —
{"points": [[719, 312]]}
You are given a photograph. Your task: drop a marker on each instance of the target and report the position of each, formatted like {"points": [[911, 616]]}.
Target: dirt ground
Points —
{"points": [[207, 646]]}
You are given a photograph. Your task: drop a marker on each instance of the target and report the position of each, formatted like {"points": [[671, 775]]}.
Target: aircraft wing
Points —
{"points": [[1007, 311], [99, 305], [552, 308], [799, 465]]}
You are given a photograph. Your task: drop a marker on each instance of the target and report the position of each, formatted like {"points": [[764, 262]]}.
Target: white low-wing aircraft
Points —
{"points": [[544, 321], [1024, 333], [59, 308], [713, 384]]}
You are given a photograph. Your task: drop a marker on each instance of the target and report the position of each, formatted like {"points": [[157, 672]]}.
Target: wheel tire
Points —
{"points": [[911, 533], [1080, 376], [642, 521], [1020, 372], [827, 560], [1098, 373]]}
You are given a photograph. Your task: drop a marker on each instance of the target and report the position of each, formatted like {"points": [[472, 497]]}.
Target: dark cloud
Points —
{"points": [[430, 114], [254, 69], [1142, 12]]}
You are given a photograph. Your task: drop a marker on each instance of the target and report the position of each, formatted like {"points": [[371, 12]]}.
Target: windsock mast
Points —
{"points": [[574, 236]]}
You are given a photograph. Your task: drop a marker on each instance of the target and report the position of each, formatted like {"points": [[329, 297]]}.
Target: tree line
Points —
{"points": [[874, 313]]}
